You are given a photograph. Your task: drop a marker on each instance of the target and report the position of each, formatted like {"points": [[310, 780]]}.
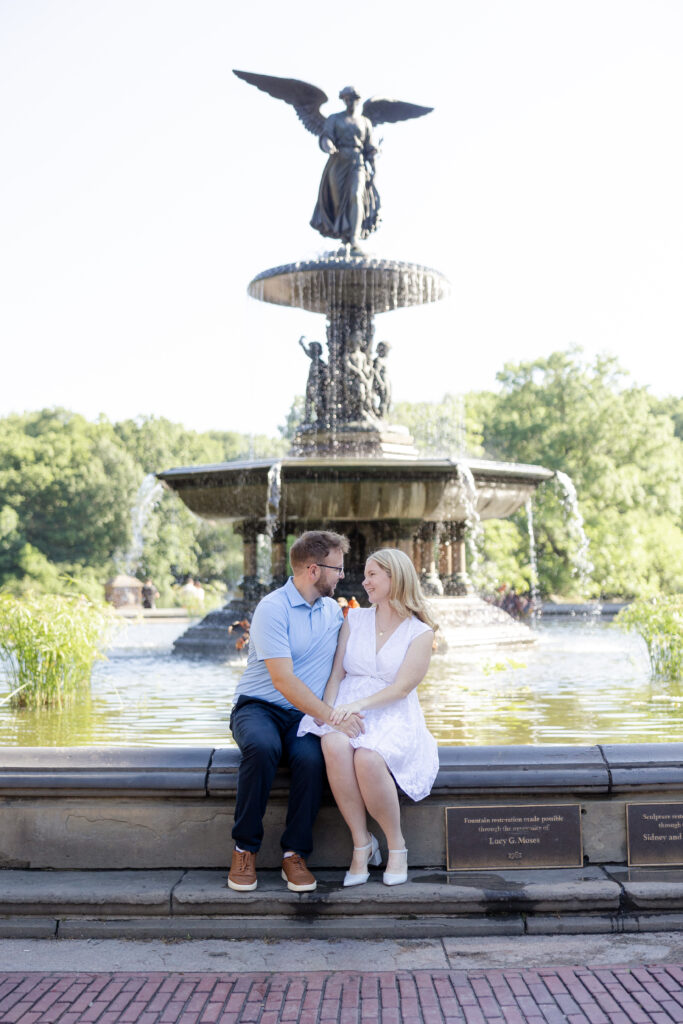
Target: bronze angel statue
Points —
{"points": [[348, 202]]}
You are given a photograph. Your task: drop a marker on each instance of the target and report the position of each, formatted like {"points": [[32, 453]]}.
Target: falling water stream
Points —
{"points": [[583, 566], [149, 493], [474, 534], [533, 564]]}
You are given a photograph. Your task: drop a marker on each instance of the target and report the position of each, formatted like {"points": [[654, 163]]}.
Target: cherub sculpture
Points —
{"points": [[316, 385], [348, 202], [380, 380]]}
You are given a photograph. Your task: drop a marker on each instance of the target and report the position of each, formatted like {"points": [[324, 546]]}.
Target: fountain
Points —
{"points": [[350, 469]]}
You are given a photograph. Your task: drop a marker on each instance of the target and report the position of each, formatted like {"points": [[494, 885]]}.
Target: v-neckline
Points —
{"points": [[375, 638]]}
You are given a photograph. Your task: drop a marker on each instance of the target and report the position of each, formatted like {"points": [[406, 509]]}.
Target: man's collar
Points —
{"points": [[295, 597]]}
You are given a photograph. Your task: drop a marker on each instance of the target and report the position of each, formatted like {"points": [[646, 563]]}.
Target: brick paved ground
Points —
{"points": [[578, 995]]}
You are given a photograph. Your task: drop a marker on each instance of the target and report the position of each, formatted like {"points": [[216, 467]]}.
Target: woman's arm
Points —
{"points": [[337, 673], [410, 675]]}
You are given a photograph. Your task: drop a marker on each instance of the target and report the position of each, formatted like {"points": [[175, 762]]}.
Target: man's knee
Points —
{"points": [[256, 748], [306, 754]]}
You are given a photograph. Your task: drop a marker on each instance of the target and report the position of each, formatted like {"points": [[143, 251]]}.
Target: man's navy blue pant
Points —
{"points": [[266, 734]]}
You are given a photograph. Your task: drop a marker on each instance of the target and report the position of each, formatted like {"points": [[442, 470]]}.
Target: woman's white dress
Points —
{"points": [[397, 731]]}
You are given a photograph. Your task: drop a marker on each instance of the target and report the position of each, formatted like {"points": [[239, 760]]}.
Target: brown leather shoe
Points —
{"points": [[296, 874], [242, 875]]}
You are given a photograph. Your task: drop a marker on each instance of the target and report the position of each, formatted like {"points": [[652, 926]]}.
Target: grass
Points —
{"points": [[660, 623], [48, 646]]}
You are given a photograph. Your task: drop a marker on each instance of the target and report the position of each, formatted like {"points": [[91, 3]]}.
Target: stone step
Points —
{"points": [[607, 898]]}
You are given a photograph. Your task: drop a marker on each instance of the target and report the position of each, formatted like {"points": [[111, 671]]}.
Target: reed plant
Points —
{"points": [[660, 623], [48, 646]]}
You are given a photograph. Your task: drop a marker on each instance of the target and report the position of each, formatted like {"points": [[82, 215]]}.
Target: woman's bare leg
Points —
{"points": [[344, 785], [378, 791]]}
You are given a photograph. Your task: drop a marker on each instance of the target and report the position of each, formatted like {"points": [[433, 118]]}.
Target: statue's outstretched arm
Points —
{"points": [[306, 99], [378, 110]]}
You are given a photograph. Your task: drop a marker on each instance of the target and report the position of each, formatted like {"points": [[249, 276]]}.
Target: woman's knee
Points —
{"points": [[334, 744], [369, 763]]}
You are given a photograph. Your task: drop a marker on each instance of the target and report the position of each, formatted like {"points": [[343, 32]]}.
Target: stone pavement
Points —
{"points": [[545, 995]]}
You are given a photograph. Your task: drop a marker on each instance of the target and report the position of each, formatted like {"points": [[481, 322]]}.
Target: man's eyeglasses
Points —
{"points": [[338, 569]]}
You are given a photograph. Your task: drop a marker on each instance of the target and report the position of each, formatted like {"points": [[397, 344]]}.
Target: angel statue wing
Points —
{"points": [[378, 110], [306, 99]]}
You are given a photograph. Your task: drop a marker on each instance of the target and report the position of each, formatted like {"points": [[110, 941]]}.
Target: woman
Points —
{"points": [[382, 655]]}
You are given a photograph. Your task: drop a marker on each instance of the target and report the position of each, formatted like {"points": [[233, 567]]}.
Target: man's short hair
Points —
{"points": [[314, 546]]}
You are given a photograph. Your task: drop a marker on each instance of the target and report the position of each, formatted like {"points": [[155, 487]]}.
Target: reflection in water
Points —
{"points": [[582, 683]]}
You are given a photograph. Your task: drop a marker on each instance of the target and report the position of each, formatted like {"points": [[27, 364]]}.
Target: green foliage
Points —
{"points": [[295, 417], [68, 487], [660, 623], [48, 646], [625, 461], [438, 428]]}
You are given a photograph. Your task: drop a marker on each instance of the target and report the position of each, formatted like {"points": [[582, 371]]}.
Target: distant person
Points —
{"points": [[149, 594], [382, 656], [198, 592], [293, 638]]}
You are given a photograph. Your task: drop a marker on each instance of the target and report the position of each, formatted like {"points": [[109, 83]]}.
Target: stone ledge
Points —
{"points": [[203, 771], [109, 771], [650, 766], [87, 892], [426, 893], [504, 769]]}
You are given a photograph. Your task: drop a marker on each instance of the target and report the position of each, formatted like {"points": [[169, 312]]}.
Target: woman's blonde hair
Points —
{"points": [[405, 595]]}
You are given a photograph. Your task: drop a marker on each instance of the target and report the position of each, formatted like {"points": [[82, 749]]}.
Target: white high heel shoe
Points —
{"points": [[394, 878], [374, 858]]}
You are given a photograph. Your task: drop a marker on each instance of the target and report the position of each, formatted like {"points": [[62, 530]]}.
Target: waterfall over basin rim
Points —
{"points": [[352, 489], [335, 281]]}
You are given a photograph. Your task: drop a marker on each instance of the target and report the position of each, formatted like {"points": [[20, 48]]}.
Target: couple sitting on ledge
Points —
{"points": [[337, 693]]}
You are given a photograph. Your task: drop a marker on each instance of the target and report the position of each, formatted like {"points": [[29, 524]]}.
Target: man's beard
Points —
{"points": [[325, 589]]}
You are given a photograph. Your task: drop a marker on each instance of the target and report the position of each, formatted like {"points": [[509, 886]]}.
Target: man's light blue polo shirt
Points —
{"points": [[287, 626]]}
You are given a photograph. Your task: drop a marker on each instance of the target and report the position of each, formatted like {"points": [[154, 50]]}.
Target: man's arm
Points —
{"points": [[297, 693]]}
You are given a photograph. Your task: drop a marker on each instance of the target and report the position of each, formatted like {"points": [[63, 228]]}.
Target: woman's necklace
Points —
{"points": [[381, 632]]}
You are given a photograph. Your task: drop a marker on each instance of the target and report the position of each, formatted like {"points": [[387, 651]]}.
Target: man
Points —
{"points": [[292, 643]]}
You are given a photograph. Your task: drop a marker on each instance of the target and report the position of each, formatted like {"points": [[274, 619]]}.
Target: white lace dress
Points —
{"points": [[396, 731]]}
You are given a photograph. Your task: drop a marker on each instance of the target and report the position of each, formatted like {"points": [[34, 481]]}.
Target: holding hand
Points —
{"points": [[351, 723], [344, 711]]}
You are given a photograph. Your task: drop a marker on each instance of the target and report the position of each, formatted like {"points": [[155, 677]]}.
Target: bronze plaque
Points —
{"points": [[654, 834], [513, 836]]}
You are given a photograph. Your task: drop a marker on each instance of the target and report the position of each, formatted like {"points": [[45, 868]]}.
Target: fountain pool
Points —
{"points": [[584, 682]]}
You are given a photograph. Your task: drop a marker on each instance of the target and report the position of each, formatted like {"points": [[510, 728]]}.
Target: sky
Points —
{"points": [[142, 186]]}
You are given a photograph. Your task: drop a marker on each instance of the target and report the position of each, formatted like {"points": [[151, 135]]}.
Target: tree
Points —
{"points": [[67, 487], [624, 458]]}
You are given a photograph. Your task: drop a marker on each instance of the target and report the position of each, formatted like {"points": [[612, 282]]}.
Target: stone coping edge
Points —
{"points": [[199, 772]]}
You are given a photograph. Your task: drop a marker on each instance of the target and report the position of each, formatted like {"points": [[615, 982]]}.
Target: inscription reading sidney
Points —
{"points": [[515, 836], [655, 834]]}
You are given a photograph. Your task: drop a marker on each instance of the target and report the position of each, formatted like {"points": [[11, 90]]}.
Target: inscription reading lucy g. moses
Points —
{"points": [[514, 836], [655, 834]]}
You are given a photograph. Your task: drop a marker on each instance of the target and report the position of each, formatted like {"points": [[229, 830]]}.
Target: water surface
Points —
{"points": [[584, 682]]}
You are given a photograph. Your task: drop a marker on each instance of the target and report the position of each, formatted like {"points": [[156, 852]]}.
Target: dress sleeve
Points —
{"points": [[417, 628], [353, 617]]}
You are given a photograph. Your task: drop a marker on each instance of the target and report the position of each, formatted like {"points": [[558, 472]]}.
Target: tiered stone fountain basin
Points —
{"points": [[419, 505], [316, 490]]}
